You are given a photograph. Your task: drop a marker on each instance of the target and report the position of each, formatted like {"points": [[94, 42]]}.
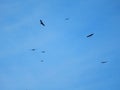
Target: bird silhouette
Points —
{"points": [[66, 18], [42, 51], [90, 35], [33, 49], [42, 61], [104, 62], [41, 22]]}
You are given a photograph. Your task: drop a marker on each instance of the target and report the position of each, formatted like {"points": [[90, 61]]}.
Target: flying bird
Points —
{"points": [[66, 18], [42, 51], [90, 35], [42, 61], [33, 49], [104, 62], [41, 22]]}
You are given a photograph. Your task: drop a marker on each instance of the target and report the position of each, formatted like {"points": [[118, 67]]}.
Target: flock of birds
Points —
{"points": [[90, 35], [33, 49]]}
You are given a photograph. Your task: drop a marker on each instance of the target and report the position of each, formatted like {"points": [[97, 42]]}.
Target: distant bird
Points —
{"points": [[90, 35], [42, 61], [41, 22], [66, 18], [104, 62], [42, 51], [33, 49]]}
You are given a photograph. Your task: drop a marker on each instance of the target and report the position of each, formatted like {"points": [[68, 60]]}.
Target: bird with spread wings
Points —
{"points": [[41, 22]]}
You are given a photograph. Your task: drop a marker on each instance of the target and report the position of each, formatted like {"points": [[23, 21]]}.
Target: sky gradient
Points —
{"points": [[71, 60]]}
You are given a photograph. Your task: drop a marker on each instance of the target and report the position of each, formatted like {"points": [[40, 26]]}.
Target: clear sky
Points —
{"points": [[71, 60]]}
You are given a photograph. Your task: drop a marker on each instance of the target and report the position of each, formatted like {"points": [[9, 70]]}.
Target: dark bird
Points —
{"points": [[90, 35], [33, 49], [42, 51], [41, 22], [104, 62]]}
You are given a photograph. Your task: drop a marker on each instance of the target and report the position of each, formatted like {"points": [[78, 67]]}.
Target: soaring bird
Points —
{"points": [[90, 35], [41, 22], [66, 18], [104, 62], [42, 51], [42, 61], [33, 49]]}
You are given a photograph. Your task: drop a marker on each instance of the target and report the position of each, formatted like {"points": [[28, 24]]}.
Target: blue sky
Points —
{"points": [[71, 61]]}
